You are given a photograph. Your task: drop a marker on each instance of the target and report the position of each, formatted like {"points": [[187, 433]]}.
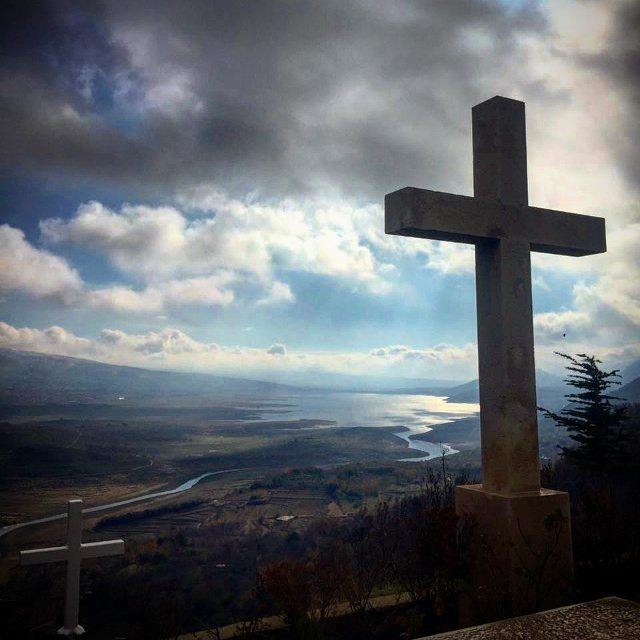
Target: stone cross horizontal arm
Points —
{"points": [[423, 213]]}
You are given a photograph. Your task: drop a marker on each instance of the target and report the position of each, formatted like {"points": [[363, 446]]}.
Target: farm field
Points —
{"points": [[48, 461]]}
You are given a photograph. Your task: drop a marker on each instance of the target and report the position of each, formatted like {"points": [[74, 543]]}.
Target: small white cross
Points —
{"points": [[73, 553]]}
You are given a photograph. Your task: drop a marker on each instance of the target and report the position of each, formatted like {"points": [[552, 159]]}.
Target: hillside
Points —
{"points": [[629, 392], [355, 383], [551, 390], [27, 377], [631, 372]]}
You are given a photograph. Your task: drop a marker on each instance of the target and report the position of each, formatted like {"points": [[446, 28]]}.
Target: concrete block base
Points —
{"points": [[520, 552]]}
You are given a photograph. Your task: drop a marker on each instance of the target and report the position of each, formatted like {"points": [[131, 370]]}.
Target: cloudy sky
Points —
{"points": [[199, 184]]}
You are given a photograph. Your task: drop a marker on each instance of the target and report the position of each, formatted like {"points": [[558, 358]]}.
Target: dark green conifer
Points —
{"points": [[593, 419]]}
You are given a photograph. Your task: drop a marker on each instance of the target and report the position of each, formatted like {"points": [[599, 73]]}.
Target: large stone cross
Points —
{"points": [[504, 230], [518, 522], [73, 553]]}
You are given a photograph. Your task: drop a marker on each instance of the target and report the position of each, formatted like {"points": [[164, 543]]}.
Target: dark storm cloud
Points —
{"points": [[621, 62], [279, 97], [50, 53]]}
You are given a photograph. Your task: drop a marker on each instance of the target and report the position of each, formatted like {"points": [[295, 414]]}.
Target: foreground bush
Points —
{"points": [[412, 551]]}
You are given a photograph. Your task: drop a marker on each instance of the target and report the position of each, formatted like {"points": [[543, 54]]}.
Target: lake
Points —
{"points": [[416, 413]]}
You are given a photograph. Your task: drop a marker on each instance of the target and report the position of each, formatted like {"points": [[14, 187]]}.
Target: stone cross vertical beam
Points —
{"points": [[504, 305], [510, 506], [73, 553]]}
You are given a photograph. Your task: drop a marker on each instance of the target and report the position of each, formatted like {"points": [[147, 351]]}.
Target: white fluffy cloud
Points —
{"points": [[277, 292], [150, 244], [142, 241], [618, 285], [254, 240], [553, 326], [168, 342], [201, 255], [439, 353], [277, 349], [41, 274], [34, 271], [54, 340], [204, 291], [605, 309], [172, 348]]}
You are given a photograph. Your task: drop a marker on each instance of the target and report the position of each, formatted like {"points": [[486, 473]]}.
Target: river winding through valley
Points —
{"points": [[411, 414], [185, 486]]}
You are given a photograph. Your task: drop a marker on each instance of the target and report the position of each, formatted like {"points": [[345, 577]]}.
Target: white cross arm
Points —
{"points": [[42, 556], [423, 213], [60, 554], [101, 549]]}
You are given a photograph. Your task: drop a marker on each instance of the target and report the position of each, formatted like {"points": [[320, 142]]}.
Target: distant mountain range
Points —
{"points": [[631, 372], [355, 383], [28, 378], [551, 390], [630, 383], [629, 392]]}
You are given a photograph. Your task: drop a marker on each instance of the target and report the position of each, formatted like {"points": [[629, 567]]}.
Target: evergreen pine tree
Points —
{"points": [[592, 419]]}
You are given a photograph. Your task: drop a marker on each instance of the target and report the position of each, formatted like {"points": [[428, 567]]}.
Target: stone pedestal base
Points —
{"points": [[520, 552]]}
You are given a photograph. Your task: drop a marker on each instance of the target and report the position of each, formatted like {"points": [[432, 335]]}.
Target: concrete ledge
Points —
{"points": [[605, 619]]}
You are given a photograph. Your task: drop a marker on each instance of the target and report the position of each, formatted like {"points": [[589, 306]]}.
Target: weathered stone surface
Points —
{"points": [[509, 507], [521, 551], [421, 213], [500, 151], [605, 619], [508, 417]]}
